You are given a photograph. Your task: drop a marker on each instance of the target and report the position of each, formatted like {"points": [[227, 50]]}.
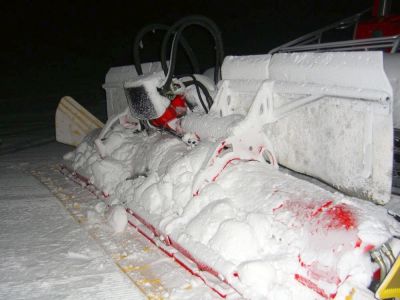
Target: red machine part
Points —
{"points": [[377, 27], [176, 109], [384, 22]]}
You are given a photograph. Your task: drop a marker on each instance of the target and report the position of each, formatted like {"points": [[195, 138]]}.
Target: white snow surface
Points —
{"points": [[45, 254], [271, 235]]}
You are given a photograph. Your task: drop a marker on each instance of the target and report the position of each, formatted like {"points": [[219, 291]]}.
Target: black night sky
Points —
{"points": [[51, 49]]}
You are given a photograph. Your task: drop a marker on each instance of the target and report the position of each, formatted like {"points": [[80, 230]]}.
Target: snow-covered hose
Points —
{"points": [[207, 82], [110, 122]]}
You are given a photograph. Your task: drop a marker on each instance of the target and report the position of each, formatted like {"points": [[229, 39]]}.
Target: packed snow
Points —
{"points": [[265, 231], [45, 254]]}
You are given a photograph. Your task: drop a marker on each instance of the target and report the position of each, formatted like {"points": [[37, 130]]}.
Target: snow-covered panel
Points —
{"points": [[116, 76], [235, 96], [144, 100], [362, 70], [342, 132], [252, 67], [114, 85], [242, 76], [340, 142]]}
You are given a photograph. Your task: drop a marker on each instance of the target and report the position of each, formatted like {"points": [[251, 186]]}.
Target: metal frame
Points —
{"points": [[312, 41]]}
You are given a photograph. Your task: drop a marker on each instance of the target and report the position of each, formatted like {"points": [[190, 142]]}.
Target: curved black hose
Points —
{"points": [[152, 27], [201, 86], [182, 24], [178, 28], [206, 93]]}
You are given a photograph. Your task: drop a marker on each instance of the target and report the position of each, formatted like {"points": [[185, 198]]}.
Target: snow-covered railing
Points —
{"points": [[379, 43], [313, 41]]}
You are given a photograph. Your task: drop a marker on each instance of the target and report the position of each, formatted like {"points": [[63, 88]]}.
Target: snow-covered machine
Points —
{"points": [[255, 178]]}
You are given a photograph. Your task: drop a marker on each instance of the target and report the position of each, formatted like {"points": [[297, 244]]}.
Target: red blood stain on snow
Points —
{"points": [[326, 214], [222, 147], [276, 208], [321, 208], [223, 168], [369, 248], [340, 216]]}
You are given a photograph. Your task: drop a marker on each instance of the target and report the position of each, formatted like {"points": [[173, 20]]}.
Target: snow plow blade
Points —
{"points": [[73, 122]]}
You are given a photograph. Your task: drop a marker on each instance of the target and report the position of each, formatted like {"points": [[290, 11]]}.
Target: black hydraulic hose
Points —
{"points": [[206, 93], [153, 27], [200, 85], [178, 28], [199, 94], [208, 24], [195, 20], [188, 83]]}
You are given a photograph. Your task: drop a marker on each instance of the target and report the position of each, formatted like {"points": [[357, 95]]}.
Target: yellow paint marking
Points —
{"points": [[350, 296], [153, 289], [131, 268], [145, 281], [119, 257]]}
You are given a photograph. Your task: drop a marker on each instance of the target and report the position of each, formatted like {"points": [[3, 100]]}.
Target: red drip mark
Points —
{"points": [[236, 274], [276, 208], [358, 243], [223, 168], [311, 285], [340, 217], [321, 208], [220, 149], [301, 262], [369, 247]]}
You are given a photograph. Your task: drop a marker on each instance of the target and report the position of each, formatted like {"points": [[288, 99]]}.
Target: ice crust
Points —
{"points": [[254, 220]]}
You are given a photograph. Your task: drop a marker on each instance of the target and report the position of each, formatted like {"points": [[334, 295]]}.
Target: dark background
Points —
{"points": [[57, 48]]}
